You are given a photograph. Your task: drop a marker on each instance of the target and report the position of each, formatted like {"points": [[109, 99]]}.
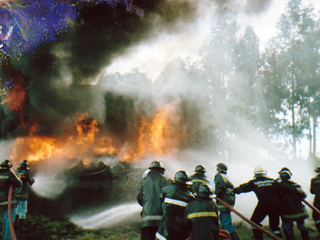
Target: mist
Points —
{"points": [[91, 68]]}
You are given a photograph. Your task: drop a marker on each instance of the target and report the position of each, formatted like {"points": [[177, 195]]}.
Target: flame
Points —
{"points": [[158, 136]]}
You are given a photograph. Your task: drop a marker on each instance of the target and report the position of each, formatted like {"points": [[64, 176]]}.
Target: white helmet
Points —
{"points": [[259, 171]]}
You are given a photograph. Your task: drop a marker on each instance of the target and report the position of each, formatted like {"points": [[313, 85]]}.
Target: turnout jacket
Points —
{"points": [[22, 192], [291, 195], [174, 198], [148, 197], [315, 189], [7, 178], [197, 179], [224, 190], [201, 216], [265, 188]]}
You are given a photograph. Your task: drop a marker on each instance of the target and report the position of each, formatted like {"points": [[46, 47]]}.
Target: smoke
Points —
{"points": [[65, 75]]}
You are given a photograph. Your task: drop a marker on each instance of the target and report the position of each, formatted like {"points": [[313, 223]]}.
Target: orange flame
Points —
{"points": [[159, 136]]}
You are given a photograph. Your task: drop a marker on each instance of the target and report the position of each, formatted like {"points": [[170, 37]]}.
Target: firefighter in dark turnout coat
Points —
{"points": [[148, 197], [198, 178], [175, 198], [266, 190], [292, 209], [315, 189], [224, 191], [22, 192], [202, 215], [7, 178]]}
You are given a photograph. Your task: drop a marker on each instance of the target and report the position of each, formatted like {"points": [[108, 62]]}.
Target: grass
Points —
{"points": [[44, 228]]}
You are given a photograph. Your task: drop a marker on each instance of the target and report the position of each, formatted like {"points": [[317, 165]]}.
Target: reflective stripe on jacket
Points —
{"points": [[201, 216], [224, 190], [148, 197], [291, 195], [198, 179], [175, 198]]}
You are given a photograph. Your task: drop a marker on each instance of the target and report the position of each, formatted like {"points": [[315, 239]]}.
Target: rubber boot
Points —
{"points": [[257, 234], [21, 225], [289, 234], [234, 236], [304, 234]]}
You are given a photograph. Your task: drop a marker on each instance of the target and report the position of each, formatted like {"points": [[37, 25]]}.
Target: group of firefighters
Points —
{"points": [[14, 191], [188, 207]]}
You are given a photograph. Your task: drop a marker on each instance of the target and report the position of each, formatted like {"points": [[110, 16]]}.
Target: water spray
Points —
{"points": [[108, 217]]}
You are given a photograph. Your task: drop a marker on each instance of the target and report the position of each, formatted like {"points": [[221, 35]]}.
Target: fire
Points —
{"points": [[158, 136]]}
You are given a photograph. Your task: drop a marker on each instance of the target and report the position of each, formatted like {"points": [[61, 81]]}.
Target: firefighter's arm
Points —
{"points": [[300, 191], [140, 196], [15, 180], [219, 184], [312, 188], [245, 187]]}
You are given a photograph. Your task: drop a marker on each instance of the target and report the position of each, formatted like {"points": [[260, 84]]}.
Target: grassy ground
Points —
{"points": [[44, 228]]}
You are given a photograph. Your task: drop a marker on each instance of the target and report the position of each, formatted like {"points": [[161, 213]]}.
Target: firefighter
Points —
{"points": [[315, 189], [292, 209], [224, 191], [22, 193], [266, 190], [198, 178], [7, 178], [202, 215], [148, 197], [175, 198]]}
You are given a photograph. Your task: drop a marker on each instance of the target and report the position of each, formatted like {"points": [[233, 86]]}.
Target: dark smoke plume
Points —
{"points": [[55, 73]]}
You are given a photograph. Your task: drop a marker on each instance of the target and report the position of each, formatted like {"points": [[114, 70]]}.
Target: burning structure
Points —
{"points": [[58, 113]]}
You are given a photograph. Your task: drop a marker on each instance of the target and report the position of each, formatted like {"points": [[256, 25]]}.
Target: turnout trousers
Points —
{"points": [[259, 214]]}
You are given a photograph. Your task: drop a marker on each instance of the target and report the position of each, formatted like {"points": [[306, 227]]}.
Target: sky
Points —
{"points": [[151, 56]]}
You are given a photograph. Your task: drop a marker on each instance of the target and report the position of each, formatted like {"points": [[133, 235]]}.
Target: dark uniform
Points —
{"points": [[198, 178], [202, 216], [175, 198], [224, 191], [22, 192], [292, 209], [266, 190], [148, 197], [315, 189], [7, 178]]}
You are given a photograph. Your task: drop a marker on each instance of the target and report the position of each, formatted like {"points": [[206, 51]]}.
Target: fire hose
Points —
{"points": [[311, 206], [13, 234], [247, 220]]}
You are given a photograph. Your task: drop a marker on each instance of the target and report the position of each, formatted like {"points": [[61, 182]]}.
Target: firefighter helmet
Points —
{"points": [[5, 164], [222, 167], [285, 170], [200, 168], [182, 177], [204, 191], [259, 171], [24, 164], [156, 164], [285, 173], [317, 169]]}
